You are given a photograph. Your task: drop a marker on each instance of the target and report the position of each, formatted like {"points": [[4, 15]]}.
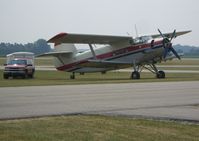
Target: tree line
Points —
{"points": [[38, 47], [188, 51]]}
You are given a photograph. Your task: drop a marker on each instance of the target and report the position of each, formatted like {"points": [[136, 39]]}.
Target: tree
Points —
{"points": [[38, 47]]}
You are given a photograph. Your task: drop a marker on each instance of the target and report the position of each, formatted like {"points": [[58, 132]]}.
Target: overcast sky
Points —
{"points": [[24, 21]]}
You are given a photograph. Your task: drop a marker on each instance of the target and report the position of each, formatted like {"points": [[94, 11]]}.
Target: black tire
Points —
{"points": [[160, 74], [135, 75], [31, 75], [5, 76], [23, 76]]}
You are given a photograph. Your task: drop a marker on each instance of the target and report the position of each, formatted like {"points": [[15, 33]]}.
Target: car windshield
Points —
{"points": [[18, 62]]}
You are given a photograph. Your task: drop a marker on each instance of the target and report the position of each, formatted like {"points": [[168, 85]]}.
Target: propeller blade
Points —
{"points": [[175, 53], [173, 35], [166, 50], [168, 45], [161, 33]]}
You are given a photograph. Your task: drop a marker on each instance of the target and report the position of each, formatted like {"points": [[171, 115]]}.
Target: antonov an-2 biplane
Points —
{"points": [[118, 52]]}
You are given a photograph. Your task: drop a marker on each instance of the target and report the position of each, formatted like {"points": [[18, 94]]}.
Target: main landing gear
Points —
{"points": [[151, 67], [72, 76], [160, 74], [135, 75]]}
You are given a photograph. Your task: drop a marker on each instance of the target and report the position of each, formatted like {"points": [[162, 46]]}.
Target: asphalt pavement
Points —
{"points": [[164, 100]]}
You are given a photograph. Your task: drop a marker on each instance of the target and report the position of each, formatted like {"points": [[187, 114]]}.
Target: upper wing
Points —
{"points": [[99, 39], [56, 54], [169, 35], [88, 39]]}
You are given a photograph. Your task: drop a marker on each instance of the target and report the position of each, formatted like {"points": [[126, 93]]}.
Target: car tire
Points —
{"points": [[31, 76], [5, 76]]}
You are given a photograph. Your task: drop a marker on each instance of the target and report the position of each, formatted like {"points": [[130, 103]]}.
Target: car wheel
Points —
{"points": [[5, 76]]}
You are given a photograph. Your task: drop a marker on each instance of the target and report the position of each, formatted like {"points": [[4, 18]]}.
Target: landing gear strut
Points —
{"points": [[72, 76], [151, 67], [135, 74]]}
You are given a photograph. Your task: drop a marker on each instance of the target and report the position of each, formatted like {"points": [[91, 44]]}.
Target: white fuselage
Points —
{"points": [[141, 53]]}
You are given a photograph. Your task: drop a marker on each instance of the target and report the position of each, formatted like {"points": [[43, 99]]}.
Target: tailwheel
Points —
{"points": [[160, 74], [135, 75]]}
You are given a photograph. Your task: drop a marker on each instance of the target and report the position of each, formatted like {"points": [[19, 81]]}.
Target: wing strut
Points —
{"points": [[92, 50]]}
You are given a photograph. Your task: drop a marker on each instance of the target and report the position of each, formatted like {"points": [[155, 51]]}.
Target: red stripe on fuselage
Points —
{"points": [[114, 53]]}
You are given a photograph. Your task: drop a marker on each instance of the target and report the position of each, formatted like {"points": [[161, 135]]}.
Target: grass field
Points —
{"points": [[96, 128], [62, 78], [183, 61]]}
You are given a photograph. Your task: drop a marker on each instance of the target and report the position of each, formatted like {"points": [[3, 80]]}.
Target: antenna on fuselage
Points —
{"points": [[131, 41], [136, 31]]}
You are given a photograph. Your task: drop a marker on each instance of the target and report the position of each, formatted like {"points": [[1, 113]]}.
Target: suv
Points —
{"points": [[19, 64], [19, 67]]}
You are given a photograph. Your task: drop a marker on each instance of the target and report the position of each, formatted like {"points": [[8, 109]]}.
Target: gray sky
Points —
{"points": [[24, 21]]}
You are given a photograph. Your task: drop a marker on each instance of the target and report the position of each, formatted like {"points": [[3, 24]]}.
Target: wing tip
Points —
{"points": [[188, 31], [56, 37]]}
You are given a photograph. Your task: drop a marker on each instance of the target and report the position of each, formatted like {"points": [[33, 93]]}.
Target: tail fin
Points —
{"points": [[66, 48], [63, 53]]}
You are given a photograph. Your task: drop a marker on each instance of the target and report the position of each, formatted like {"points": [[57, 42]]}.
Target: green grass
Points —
{"points": [[179, 68], [44, 61], [184, 61], [96, 128], [62, 78]]}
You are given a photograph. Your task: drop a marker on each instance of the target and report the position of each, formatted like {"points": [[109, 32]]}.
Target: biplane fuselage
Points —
{"points": [[141, 53], [118, 52]]}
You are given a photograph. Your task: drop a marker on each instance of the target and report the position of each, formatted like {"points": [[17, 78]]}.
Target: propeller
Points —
{"points": [[168, 45]]}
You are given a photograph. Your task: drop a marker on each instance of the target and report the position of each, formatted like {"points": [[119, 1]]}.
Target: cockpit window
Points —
{"points": [[143, 39], [18, 62]]}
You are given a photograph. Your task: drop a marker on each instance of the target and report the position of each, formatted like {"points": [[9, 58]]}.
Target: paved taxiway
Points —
{"points": [[172, 100]]}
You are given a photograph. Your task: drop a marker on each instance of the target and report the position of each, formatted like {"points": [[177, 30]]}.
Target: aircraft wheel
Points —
{"points": [[135, 75], [160, 74]]}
